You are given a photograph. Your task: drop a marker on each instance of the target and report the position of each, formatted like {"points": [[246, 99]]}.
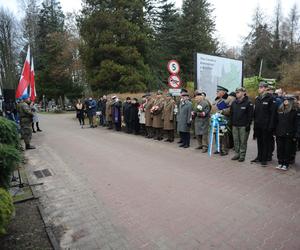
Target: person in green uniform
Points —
{"points": [[26, 120]]}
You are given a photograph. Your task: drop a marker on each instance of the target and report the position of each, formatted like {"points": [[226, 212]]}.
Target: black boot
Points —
{"points": [[28, 146], [38, 128]]}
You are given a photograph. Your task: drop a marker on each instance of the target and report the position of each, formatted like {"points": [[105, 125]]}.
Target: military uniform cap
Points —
{"points": [[271, 87], [220, 88], [146, 94], [183, 91], [184, 94], [240, 89], [263, 84], [289, 97], [159, 92]]}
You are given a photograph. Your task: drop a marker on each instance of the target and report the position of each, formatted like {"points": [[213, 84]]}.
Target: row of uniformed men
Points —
{"points": [[161, 113]]}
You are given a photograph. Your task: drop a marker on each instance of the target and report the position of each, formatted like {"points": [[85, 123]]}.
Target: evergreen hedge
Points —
{"points": [[6, 210], [10, 157]]}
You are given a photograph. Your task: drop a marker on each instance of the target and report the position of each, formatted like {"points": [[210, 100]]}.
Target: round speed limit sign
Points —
{"points": [[174, 81], [173, 67]]}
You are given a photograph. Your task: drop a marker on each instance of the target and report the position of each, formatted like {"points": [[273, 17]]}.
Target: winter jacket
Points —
{"points": [[264, 112], [286, 122], [241, 112]]}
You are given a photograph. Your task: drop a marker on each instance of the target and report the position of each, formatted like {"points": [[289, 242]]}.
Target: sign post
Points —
{"points": [[174, 80]]}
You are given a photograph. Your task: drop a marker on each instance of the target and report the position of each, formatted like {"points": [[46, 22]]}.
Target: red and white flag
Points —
{"points": [[32, 83], [25, 77]]}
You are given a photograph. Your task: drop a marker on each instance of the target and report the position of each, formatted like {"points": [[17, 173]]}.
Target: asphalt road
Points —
{"points": [[159, 196]]}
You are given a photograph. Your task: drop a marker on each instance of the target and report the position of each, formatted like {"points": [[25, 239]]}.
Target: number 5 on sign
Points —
{"points": [[173, 67]]}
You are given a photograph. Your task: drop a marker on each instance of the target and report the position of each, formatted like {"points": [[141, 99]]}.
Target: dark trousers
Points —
{"points": [[158, 133], [81, 120], [170, 135], [185, 138], [128, 127], [118, 126], [284, 149], [149, 132], [110, 124], [37, 126], [102, 120], [272, 147], [263, 144], [143, 130]]}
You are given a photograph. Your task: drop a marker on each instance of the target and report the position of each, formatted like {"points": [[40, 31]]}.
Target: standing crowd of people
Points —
{"points": [[274, 116]]}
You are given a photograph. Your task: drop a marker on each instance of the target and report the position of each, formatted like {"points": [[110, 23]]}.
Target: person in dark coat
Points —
{"points": [[184, 120], [286, 122], [264, 114], [241, 114], [126, 114], [91, 112], [101, 109], [134, 116], [116, 112]]}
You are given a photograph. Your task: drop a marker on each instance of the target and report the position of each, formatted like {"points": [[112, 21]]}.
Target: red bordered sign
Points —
{"points": [[174, 81], [173, 67]]}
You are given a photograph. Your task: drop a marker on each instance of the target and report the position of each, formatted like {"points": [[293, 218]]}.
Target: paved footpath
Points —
{"points": [[111, 190]]}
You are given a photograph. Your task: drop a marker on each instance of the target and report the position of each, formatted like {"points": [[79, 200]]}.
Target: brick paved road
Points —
{"points": [[110, 190]]}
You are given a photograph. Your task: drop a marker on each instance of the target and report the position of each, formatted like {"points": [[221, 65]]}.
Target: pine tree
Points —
{"points": [[258, 47], [195, 34], [8, 55], [55, 54], [164, 43], [114, 45]]}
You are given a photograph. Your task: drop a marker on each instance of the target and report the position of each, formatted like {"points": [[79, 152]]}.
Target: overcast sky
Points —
{"points": [[232, 16]]}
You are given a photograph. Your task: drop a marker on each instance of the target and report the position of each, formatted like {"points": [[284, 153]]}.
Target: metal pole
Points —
{"points": [[260, 68]]}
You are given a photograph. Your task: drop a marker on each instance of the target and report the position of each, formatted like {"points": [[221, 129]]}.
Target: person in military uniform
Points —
{"points": [[241, 114], [168, 117], [264, 112], [201, 113], [148, 116], [222, 105], [26, 117], [184, 120], [156, 112]]}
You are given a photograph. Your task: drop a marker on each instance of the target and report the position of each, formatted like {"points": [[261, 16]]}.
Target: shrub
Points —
{"points": [[6, 209], [10, 157], [9, 132]]}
